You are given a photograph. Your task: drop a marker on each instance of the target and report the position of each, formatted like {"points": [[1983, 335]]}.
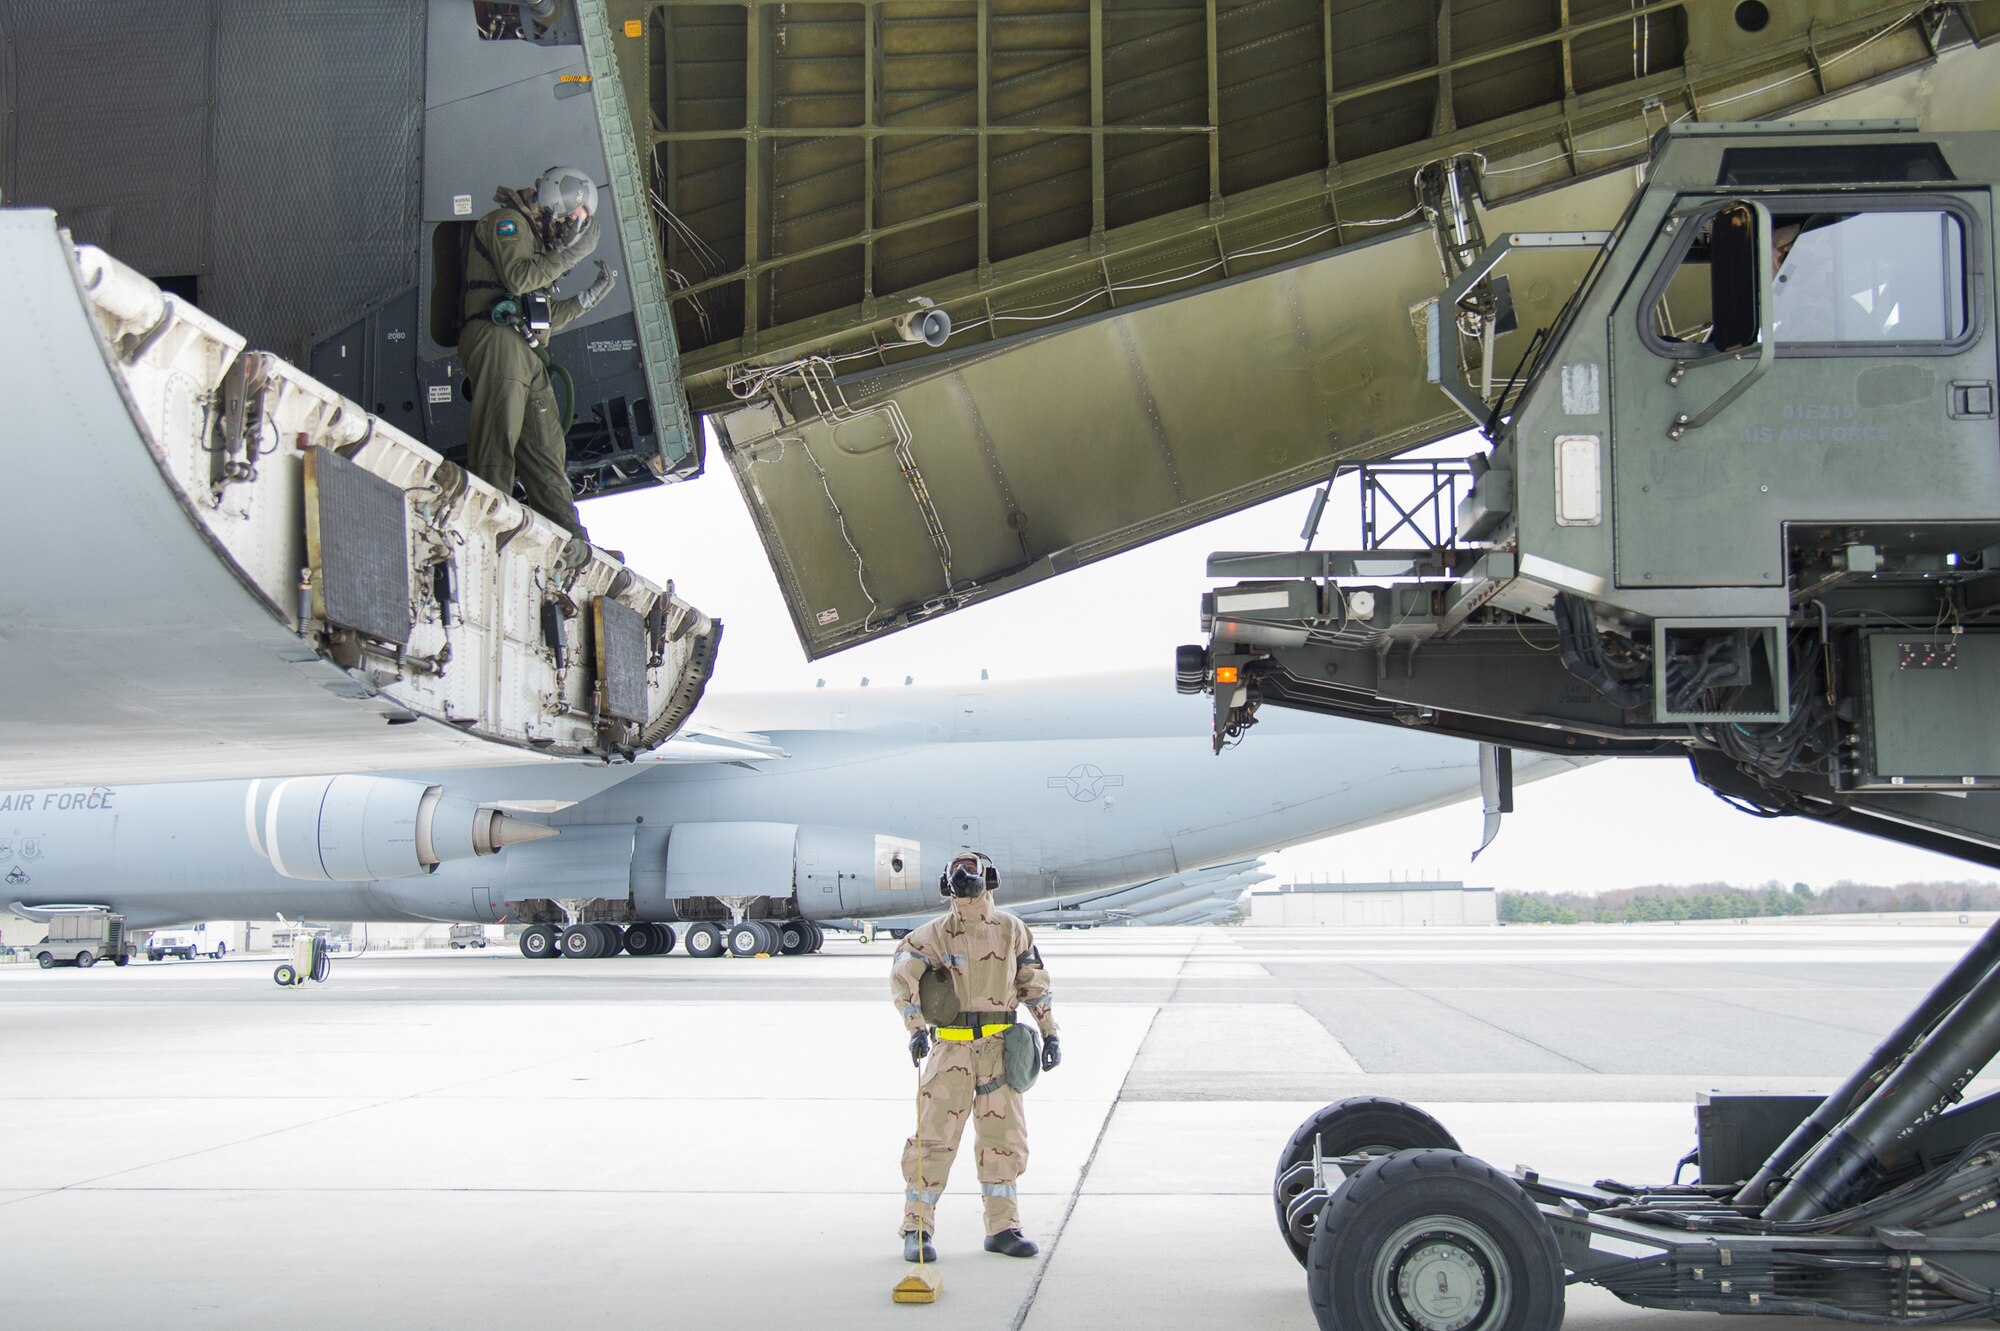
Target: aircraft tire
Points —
{"points": [[704, 939], [794, 938], [1420, 1224], [748, 939], [614, 939], [86, 959], [46, 961], [666, 936], [538, 943], [286, 976], [819, 935], [642, 940], [1359, 1125], [580, 942]]}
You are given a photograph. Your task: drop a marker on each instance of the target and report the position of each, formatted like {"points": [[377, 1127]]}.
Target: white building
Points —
{"points": [[1375, 905]]}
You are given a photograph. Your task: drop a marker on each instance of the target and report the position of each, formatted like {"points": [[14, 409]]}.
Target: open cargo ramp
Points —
{"points": [[215, 566], [1170, 248]]}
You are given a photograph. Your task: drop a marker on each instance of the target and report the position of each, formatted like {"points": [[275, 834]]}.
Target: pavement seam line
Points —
{"points": [[1104, 1128], [1490, 1025]]}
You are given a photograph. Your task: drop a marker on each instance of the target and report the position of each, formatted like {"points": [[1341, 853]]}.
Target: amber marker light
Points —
{"points": [[1225, 674]]}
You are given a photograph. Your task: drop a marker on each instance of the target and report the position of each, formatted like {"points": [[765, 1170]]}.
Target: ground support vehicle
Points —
{"points": [[1741, 507], [186, 944], [467, 935], [311, 960], [83, 938]]}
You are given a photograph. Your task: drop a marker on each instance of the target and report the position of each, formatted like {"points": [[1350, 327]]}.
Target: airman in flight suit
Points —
{"points": [[518, 251], [994, 969]]}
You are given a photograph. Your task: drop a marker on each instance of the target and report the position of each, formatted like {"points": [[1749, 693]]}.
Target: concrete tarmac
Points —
{"points": [[474, 1139]]}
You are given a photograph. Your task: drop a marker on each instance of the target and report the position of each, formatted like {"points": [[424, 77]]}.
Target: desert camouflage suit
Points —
{"points": [[995, 969]]}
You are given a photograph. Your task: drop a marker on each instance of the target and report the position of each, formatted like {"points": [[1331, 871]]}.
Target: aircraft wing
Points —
{"points": [[1149, 902]]}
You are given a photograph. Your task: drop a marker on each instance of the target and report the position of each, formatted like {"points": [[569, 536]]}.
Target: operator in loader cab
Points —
{"points": [[965, 974]]}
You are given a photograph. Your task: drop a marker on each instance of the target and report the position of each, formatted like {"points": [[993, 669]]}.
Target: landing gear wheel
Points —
{"points": [[704, 940], [86, 959], [819, 935], [580, 942], [1433, 1241], [614, 939], [748, 939], [795, 937], [666, 936], [642, 940], [286, 976], [538, 941], [1363, 1125]]}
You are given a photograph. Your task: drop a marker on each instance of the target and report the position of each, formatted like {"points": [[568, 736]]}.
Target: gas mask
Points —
{"points": [[967, 876]]}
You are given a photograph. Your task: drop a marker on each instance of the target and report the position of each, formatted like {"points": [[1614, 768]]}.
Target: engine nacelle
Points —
{"points": [[345, 829], [834, 871]]}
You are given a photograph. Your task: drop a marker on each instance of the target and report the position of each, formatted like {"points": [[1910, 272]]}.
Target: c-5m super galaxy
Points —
{"points": [[842, 805]]}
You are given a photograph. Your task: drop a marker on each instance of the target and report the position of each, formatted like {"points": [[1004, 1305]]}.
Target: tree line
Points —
{"points": [[1722, 901]]}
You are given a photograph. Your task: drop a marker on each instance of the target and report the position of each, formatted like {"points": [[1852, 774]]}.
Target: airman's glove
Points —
{"points": [[920, 1044], [1051, 1052], [599, 289]]}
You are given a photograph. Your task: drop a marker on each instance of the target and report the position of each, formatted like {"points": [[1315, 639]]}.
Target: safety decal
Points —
{"points": [[506, 228]]}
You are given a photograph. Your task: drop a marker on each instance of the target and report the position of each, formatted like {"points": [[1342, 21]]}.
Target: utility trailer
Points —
{"points": [[83, 938], [1741, 505]]}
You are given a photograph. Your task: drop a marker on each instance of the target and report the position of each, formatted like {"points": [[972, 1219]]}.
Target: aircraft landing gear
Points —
{"points": [[649, 940], [538, 941]]}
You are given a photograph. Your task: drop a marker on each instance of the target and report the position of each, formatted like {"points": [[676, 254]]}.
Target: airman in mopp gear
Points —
{"points": [[518, 251], [982, 1059]]}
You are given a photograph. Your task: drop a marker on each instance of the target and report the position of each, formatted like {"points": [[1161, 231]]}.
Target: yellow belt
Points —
{"points": [[973, 1032]]}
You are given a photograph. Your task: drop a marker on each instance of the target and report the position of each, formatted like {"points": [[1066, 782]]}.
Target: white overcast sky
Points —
{"points": [[1616, 824]]}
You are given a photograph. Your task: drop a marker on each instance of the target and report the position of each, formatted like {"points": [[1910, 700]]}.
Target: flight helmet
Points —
{"points": [[564, 189], [968, 874]]}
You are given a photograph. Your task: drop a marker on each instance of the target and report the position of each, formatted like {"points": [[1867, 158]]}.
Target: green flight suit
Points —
{"points": [[516, 427]]}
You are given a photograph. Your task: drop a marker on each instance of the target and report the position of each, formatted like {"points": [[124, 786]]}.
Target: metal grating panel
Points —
{"points": [[315, 169], [357, 531], [194, 140], [621, 659], [110, 125]]}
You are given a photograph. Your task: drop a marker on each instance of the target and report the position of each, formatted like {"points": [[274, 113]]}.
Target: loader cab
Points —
{"points": [[1805, 338]]}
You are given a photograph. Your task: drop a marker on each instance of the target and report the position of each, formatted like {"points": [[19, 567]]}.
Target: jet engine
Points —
{"points": [[834, 871], [364, 828]]}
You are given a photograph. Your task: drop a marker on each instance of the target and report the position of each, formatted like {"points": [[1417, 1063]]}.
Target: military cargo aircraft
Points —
{"points": [[842, 804]]}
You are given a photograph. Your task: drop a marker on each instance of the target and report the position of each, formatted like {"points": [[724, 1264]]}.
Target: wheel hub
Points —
{"points": [[1439, 1274]]}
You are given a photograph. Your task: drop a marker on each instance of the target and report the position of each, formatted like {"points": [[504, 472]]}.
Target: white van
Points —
{"points": [[210, 938]]}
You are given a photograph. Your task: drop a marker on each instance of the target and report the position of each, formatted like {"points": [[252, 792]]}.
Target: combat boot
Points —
{"points": [[917, 1247], [1011, 1243]]}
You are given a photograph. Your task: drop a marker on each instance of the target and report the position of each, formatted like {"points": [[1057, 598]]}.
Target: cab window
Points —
{"points": [[1708, 301], [1867, 277]]}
